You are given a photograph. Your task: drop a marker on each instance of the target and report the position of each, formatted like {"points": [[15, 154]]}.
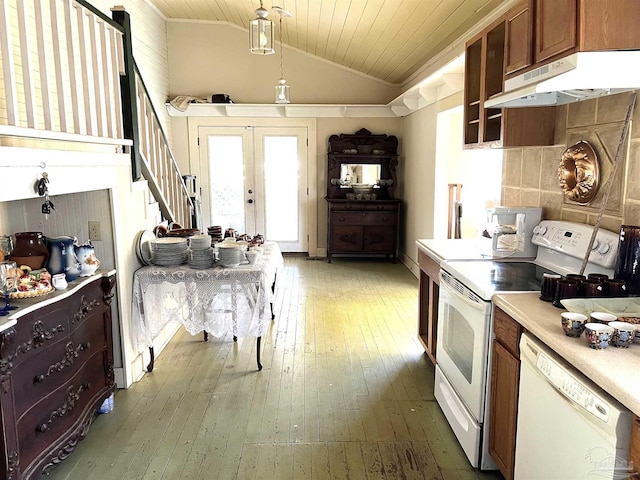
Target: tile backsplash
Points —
{"points": [[530, 174]]}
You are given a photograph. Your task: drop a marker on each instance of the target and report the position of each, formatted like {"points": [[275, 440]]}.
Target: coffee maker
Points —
{"points": [[513, 231]]}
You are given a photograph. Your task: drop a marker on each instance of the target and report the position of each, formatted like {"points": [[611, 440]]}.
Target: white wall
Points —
{"points": [[433, 158], [479, 171], [207, 58]]}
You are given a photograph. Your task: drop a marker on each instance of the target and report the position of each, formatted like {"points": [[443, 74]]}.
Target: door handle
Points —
{"points": [[250, 200]]}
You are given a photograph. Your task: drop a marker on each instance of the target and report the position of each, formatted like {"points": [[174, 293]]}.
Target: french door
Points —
{"points": [[256, 182]]}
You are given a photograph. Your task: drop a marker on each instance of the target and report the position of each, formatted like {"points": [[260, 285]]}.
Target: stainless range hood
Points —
{"points": [[579, 76]]}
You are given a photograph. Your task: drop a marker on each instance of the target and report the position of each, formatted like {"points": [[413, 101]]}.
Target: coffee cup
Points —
{"points": [[623, 334], [573, 323], [601, 277], [548, 287], [613, 287], [602, 317], [566, 289], [575, 276], [590, 288]]}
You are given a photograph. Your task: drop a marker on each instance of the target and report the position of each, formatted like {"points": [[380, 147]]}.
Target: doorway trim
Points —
{"points": [[195, 123]]}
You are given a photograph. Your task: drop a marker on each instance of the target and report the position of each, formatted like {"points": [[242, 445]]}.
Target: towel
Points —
{"points": [[181, 102]]}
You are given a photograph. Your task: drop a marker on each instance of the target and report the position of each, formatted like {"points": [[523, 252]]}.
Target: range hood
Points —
{"points": [[576, 77]]}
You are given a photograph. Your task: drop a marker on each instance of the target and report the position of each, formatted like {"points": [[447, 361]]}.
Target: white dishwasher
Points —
{"points": [[568, 428]]}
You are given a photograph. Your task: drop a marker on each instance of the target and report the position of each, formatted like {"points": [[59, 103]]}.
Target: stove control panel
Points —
{"points": [[573, 239]]}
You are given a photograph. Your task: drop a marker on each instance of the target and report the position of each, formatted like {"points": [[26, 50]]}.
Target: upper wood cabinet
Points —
{"points": [[540, 31], [484, 78], [555, 27], [519, 37]]}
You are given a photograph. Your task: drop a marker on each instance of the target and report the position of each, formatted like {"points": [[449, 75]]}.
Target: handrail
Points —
{"points": [[67, 73], [61, 63], [151, 156]]}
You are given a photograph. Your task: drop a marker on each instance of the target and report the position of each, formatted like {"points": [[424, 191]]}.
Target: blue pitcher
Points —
{"points": [[62, 257]]}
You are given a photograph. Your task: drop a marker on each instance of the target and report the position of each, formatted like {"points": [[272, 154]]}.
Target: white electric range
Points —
{"points": [[465, 323]]}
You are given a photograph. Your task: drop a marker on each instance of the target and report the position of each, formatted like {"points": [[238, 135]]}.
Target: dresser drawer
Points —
{"points": [[364, 218], [365, 206], [34, 332], [50, 418], [40, 374]]}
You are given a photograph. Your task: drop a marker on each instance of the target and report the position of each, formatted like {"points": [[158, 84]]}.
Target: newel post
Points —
{"points": [[128, 90]]}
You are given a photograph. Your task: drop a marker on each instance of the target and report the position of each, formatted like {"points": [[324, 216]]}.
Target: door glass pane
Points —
{"points": [[281, 188], [458, 341], [226, 170]]}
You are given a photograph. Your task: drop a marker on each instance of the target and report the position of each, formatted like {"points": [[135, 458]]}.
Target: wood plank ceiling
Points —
{"points": [[387, 39]]}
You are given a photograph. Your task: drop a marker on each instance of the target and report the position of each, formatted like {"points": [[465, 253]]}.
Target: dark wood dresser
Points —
{"points": [[362, 223], [56, 369]]}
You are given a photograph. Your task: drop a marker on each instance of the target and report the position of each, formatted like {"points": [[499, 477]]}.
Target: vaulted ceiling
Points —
{"points": [[387, 39]]}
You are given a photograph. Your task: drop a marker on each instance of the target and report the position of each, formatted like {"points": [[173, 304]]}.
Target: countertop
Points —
{"points": [[457, 248], [27, 305], [615, 370]]}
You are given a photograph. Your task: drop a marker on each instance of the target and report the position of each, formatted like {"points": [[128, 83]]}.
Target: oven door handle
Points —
{"points": [[477, 304]]}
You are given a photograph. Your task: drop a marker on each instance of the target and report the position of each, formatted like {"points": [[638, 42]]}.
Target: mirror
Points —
{"points": [[359, 173]]}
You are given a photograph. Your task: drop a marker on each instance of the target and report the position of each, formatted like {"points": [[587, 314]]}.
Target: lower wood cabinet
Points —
{"points": [[428, 306], [363, 227], [505, 380], [56, 368], [634, 449]]}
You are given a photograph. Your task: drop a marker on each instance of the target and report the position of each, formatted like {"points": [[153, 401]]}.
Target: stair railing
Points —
{"points": [[151, 156]]}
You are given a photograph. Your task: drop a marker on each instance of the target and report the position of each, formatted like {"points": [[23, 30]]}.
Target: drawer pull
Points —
{"points": [[342, 219], [69, 404], [71, 353]]}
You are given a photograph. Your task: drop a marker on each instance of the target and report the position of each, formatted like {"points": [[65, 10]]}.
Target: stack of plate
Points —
{"points": [[169, 251], [201, 252], [215, 232], [231, 254]]}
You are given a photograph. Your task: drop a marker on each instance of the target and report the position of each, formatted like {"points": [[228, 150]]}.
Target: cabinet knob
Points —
{"points": [[43, 428], [38, 379]]}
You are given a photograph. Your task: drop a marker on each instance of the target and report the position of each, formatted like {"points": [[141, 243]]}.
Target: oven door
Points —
{"points": [[464, 322]]}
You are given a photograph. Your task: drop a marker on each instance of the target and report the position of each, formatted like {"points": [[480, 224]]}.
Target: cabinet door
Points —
{"points": [[634, 449], [519, 52], [346, 238], [472, 80], [379, 239], [503, 411], [556, 32]]}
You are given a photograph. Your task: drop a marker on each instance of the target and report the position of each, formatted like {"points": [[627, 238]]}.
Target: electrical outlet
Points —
{"points": [[94, 231]]}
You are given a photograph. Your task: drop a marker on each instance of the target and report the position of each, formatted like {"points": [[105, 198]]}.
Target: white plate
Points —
{"points": [[143, 246]]}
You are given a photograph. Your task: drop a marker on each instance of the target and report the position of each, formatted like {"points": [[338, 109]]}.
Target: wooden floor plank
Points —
{"points": [[346, 392]]}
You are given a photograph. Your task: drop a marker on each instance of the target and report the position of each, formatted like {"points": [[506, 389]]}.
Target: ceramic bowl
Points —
{"points": [[361, 188], [598, 335], [602, 317], [623, 334], [573, 323]]}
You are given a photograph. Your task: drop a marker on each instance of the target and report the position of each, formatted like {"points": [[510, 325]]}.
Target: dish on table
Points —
{"points": [[143, 246]]}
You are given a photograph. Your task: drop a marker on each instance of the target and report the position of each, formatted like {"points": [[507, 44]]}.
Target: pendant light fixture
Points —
{"points": [[282, 89], [261, 33]]}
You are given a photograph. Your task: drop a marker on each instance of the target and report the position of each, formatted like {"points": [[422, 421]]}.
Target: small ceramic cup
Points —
{"points": [[602, 317], [252, 256], [623, 334], [59, 281], [573, 323], [598, 336]]}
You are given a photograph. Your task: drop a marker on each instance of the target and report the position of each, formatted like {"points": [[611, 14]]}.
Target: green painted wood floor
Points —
{"points": [[346, 393]]}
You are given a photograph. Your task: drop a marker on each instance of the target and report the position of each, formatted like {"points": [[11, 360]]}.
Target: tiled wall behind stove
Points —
{"points": [[530, 174]]}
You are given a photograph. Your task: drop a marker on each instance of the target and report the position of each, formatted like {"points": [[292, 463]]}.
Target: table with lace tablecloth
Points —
{"points": [[215, 300]]}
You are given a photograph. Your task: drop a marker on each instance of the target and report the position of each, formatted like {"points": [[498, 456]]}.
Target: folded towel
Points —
{"points": [[181, 102]]}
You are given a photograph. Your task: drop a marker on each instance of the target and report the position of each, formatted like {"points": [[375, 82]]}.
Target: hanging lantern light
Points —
{"points": [[282, 89], [261, 33]]}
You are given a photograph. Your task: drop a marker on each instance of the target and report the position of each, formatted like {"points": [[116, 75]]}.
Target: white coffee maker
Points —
{"points": [[514, 230]]}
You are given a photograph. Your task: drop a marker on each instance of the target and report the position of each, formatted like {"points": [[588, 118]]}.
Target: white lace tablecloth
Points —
{"points": [[217, 300]]}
